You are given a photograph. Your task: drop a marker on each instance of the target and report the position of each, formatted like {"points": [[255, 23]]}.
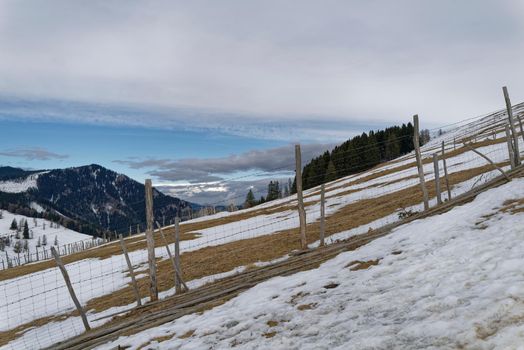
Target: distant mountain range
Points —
{"points": [[89, 199]]}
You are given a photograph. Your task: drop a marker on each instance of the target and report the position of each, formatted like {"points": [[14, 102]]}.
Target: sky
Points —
{"points": [[207, 98]]}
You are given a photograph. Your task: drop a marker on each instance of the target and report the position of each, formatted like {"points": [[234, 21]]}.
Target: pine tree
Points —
{"points": [[44, 240], [250, 199], [2, 244], [14, 225], [39, 242], [26, 245], [1, 214], [56, 241], [331, 172], [26, 230]]}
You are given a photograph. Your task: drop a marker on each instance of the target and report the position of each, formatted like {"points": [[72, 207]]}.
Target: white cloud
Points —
{"points": [[293, 60]]}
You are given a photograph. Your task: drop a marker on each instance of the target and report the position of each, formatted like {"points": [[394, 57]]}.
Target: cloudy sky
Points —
{"points": [[202, 91]]}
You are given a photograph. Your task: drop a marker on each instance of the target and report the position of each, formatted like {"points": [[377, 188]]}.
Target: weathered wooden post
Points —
{"points": [[419, 162], [437, 178], [516, 152], [153, 289], [178, 287], [177, 273], [510, 147], [300, 198], [131, 271], [62, 268], [446, 171], [322, 215]]}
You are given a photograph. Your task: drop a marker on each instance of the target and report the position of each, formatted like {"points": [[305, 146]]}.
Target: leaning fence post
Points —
{"points": [[70, 288], [510, 147], [322, 215], [177, 274], [131, 271], [488, 160], [153, 289], [446, 171], [516, 153], [178, 287], [437, 178], [300, 198], [419, 162]]}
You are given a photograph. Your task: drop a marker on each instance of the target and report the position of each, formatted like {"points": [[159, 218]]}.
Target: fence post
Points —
{"points": [[488, 160], [177, 274], [446, 171], [131, 271], [516, 152], [322, 215], [153, 289], [510, 147], [437, 178], [70, 288], [419, 162], [300, 198], [521, 128], [178, 287]]}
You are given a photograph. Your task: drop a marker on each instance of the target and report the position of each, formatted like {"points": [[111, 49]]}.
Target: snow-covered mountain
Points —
{"points": [[88, 198]]}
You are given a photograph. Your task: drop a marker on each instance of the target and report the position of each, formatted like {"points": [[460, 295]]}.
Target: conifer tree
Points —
{"points": [[56, 241], [26, 230], [44, 240], [250, 199], [14, 225], [331, 172]]}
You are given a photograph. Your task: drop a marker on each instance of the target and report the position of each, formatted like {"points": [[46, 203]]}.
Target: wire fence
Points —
{"points": [[35, 305]]}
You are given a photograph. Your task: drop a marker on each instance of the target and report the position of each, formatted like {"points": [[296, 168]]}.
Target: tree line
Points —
{"points": [[360, 153]]}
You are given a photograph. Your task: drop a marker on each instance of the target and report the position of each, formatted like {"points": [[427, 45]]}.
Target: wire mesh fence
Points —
{"points": [[36, 308]]}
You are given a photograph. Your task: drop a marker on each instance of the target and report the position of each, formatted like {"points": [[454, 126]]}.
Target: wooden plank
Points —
{"points": [[131, 271], [437, 178], [418, 157], [510, 147], [178, 287], [446, 171], [322, 215], [62, 268], [516, 152], [153, 288], [489, 161], [300, 198]]}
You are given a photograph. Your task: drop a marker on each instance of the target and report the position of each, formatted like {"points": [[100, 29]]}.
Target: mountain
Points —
{"points": [[89, 198]]}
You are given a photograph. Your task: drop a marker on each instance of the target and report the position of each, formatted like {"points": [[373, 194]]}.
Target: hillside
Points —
{"points": [[90, 199], [419, 254], [447, 281]]}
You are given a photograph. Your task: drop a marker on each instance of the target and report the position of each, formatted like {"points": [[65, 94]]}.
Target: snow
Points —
{"points": [[442, 282], [36, 228], [20, 185]]}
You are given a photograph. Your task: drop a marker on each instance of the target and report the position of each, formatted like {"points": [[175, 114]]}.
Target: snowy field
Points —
{"points": [[42, 292], [38, 228], [450, 281]]}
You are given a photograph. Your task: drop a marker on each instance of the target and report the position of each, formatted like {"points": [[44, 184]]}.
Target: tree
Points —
{"points": [[250, 199], [56, 241], [39, 242], [1, 214], [331, 172], [14, 225], [26, 230], [2, 244], [26, 245], [392, 147], [17, 248], [44, 240]]}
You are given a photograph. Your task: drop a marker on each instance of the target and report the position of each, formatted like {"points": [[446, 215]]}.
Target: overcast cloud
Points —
{"points": [[252, 164], [334, 61]]}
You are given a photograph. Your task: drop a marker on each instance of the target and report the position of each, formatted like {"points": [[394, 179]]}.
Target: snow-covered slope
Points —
{"points": [[38, 228], [450, 281], [20, 185]]}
